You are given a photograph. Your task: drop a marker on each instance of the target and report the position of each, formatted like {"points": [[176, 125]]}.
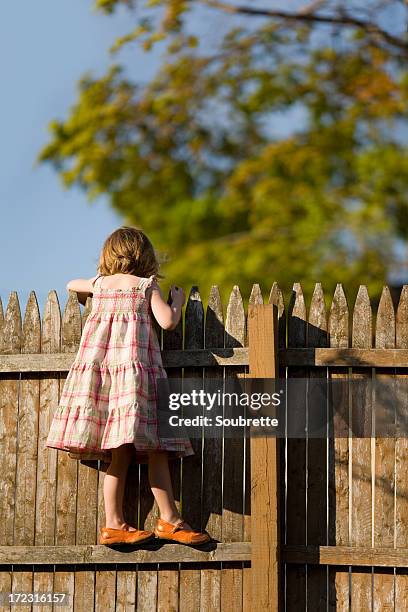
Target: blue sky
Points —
{"points": [[49, 235]]}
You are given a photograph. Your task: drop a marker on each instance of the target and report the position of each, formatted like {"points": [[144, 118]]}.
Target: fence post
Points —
{"points": [[265, 570]]}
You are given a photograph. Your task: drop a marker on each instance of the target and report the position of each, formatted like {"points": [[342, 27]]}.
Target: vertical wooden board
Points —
{"points": [[84, 588], [191, 466], [317, 447], [383, 594], [191, 478], [43, 581], [210, 589], [173, 340], [232, 512], [211, 517], [47, 457], [276, 297], [338, 453], [295, 592], [67, 468], [212, 454], [86, 513], [126, 582], [233, 453], [296, 460], [5, 575], [231, 587], [316, 457], [361, 468], [105, 588], [339, 589], [22, 582], [10, 343], [168, 588], [87, 487], [362, 589], [247, 588], [401, 590], [146, 589], [190, 587], [29, 404], [384, 519], [254, 298], [317, 591], [401, 451], [64, 582], [262, 330]]}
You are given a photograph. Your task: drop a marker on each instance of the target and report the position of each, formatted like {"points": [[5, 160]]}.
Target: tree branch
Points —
{"points": [[311, 17]]}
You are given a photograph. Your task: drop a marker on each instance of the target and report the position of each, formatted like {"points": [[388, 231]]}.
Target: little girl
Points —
{"points": [[108, 403]]}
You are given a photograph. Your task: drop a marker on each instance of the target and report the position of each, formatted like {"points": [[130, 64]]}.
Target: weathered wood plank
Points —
{"points": [[84, 589], [361, 486], [234, 357], [265, 517], [168, 589], [211, 589], [87, 505], [384, 519], [43, 581], [177, 358], [191, 492], [126, 588], [211, 518], [346, 555], [401, 451], [339, 455], [105, 581], [233, 487], [47, 457], [10, 342], [146, 590], [296, 459], [317, 528], [29, 406], [67, 468], [149, 553]]}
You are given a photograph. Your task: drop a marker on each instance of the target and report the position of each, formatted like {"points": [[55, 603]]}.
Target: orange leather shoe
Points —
{"points": [[179, 533], [124, 536]]}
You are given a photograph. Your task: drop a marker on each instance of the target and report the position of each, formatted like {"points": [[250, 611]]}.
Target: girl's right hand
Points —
{"points": [[177, 295]]}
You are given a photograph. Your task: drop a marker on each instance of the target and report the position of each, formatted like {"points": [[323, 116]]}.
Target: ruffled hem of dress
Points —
{"points": [[82, 429]]}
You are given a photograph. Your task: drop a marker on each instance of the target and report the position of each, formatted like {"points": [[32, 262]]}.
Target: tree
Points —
{"points": [[194, 156]]}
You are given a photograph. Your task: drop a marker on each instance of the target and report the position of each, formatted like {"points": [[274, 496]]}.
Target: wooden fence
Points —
{"points": [[328, 526]]}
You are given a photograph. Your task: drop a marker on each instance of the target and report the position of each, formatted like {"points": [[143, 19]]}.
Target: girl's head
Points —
{"points": [[128, 251]]}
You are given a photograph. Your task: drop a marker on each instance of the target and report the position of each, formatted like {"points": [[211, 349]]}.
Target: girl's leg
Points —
{"points": [[114, 486], [160, 483]]}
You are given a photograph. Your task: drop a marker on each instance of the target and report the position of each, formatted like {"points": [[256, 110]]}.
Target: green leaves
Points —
{"points": [[193, 156]]}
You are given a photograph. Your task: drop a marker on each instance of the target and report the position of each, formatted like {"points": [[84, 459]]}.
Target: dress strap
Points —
{"points": [[145, 283], [97, 281]]}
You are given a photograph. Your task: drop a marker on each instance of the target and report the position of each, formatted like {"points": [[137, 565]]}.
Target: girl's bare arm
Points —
{"points": [[83, 288], [167, 315]]}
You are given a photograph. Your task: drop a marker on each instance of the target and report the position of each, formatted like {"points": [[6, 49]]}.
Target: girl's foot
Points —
{"points": [[180, 532], [127, 535], [119, 525]]}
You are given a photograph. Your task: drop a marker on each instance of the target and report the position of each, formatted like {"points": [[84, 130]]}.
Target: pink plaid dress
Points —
{"points": [[109, 397]]}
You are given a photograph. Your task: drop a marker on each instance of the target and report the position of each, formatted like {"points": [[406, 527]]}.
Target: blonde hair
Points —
{"points": [[128, 251]]}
